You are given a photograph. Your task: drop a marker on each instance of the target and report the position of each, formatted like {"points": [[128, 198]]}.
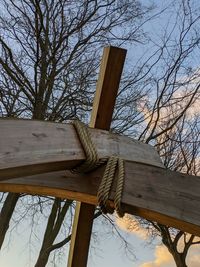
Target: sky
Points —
{"points": [[109, 251]]}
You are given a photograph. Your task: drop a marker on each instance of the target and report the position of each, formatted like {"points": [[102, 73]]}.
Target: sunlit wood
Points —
{"points": [[154, 193], [103, 106], [29, 147]]}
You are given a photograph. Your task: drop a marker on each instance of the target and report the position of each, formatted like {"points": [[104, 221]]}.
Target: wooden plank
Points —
{"points": [[31, 147], [81, 234], [157, 194], [107, 87], [28, 146]]}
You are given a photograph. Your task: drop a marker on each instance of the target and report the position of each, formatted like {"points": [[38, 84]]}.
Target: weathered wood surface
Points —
{"points": [[154, 193], [81, 234], [103, 106], [30, 147]]}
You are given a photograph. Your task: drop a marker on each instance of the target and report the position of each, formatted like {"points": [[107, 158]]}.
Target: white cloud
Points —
{"points": [[193, 258], [129, 224], [164, 259], [162, 256]]}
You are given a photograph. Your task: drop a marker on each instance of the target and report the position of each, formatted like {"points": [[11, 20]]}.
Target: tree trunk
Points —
{"points": [[179, 259], [172, 245], [6, 214], [54, 224]]}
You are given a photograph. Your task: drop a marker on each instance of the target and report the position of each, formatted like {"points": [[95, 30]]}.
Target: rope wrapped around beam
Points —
{"points": [[114, 165]]}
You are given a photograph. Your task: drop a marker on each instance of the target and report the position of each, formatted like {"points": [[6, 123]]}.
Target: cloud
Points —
{"points": [[129, 224], [162, 258], [193, 258], [194, 261], [176, 103]]}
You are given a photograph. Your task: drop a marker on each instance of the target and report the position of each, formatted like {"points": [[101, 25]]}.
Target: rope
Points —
{"points": [[113, 164], [119, 188], [92, 162]]}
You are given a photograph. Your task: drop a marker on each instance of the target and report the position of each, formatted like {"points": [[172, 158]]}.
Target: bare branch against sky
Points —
{"points": [[49, 59]]}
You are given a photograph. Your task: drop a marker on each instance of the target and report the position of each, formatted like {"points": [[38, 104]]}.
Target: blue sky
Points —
{"points": [[109, 251]]}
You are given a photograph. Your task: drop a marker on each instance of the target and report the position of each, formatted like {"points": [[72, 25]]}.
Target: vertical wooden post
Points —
{"points": [[107, 87]]}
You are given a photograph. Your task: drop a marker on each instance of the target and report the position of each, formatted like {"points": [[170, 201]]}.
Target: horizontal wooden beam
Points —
{"points": [[154, 193], [31, 147]]}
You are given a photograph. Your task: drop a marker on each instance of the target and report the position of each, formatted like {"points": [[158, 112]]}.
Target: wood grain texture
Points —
{"points": [[154, 193], [81, 234], [30, 147], [102, 111], [107, 87]]}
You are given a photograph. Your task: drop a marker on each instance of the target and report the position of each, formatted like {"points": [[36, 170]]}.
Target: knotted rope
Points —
{"points": [[113, 164], [106, 184], [92, 159]]}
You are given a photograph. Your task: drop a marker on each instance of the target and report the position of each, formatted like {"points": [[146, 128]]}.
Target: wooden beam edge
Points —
{"points": [[89, 199], [84, 188]]}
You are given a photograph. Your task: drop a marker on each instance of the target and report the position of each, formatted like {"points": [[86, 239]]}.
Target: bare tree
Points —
{"points": [[169, 116], [55, 220], [49, 58], [6, 214], [49, 53]]}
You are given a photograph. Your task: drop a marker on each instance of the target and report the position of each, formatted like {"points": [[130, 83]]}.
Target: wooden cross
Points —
{"points": [[101, 117], [35, 155]]}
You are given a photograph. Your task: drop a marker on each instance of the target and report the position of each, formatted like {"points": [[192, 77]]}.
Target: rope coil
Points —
{"points": [[113, 164]]}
